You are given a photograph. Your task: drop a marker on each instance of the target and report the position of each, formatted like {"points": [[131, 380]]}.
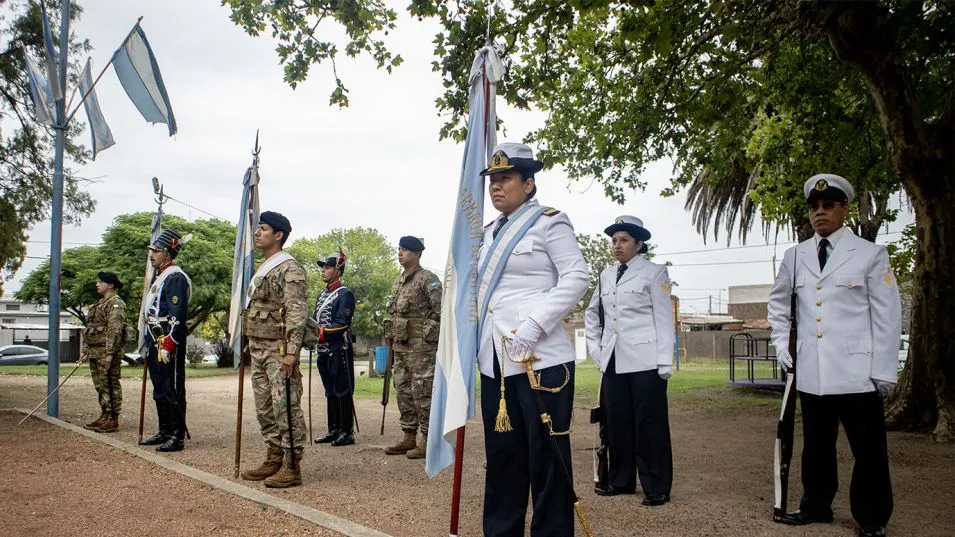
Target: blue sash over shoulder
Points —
{"points": [[489, 273]]}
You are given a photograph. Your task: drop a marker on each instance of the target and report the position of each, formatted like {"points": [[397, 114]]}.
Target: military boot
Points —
{"points": [[287, 477], [420, 450], [408, 443], [174, 442], [271, 466], [93, 425], [110, 425], [165, 426]]}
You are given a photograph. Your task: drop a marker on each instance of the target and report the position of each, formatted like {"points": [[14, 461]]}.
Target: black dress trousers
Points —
{"points": [[638, 429], [870, 491], [523, 460]]}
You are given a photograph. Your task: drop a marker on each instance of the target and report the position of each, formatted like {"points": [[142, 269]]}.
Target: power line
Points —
{"points": [[193, 207], [721, 263], [742, 247]]}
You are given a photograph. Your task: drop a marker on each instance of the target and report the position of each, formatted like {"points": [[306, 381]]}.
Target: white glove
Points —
{"points": [[665, 371], [785, 361], [518, 348], [164, 356], [529, 331], [883, 386]]}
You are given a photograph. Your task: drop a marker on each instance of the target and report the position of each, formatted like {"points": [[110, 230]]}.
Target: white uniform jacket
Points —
{"points": [[849, 316], [638, 318], [544, 278]]}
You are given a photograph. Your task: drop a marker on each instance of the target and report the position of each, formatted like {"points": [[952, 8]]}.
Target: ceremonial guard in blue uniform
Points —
{"points": [[849, 318], [166, 306], [629, 324], [531, 274], [333, 313]]}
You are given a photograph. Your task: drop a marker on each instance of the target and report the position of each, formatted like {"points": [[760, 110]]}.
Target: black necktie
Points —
{"points": [[823, 253], [497, 228], [620, 270]]}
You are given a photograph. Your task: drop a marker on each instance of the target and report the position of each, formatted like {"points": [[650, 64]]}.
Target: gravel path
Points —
{"points": [[723, 486]]}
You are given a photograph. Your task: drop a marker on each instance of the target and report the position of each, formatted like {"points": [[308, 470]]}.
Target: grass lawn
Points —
{"points": [[203, 370], [697, 385]]}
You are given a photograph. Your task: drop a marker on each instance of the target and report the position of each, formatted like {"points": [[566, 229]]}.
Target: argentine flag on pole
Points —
{"points": [[452, 400], [244, 263], [138, 72]]}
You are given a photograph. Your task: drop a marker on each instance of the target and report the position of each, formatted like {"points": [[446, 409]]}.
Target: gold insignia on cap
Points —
{"points": [[888, 279], [175, 300], [822, 184], [618, 221], [499, 159]]}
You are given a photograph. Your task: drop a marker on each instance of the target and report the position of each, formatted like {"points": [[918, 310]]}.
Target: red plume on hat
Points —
{"points": [[341, 258]]}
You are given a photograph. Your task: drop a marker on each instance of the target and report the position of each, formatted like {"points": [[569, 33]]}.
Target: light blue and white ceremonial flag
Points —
{"points": [[244, 263], [154, 230], [452, 401], [52, 77], [139, 73], [42, 94], [99, 130]]}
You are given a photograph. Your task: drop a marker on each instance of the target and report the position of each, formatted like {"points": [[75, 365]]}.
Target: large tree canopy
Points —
{"points": [[207, 259], [749, 98], [26, 147], [370, 270]]}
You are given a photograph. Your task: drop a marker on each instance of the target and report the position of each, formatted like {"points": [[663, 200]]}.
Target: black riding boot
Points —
{"points": [[334, 421], [175, 440], [165, 427], [346, 437]]}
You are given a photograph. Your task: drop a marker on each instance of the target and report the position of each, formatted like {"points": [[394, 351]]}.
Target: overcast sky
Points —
{"points": [[375, 164]]}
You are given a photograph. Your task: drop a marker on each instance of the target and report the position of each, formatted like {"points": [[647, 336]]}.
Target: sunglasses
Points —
{"points": [[827, 205]]}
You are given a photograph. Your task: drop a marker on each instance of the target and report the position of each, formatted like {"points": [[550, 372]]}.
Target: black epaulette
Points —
{"points": [[551, 212]]}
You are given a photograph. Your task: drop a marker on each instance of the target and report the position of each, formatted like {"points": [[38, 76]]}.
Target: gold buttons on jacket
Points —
{"points": [[819, 335], [818, 319], [819, 302], [818, 286]]}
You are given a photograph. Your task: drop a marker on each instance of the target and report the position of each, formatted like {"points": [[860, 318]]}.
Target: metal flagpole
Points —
{"points": [[56, 220]]}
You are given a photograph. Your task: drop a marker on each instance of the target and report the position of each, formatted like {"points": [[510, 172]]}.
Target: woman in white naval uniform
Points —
{"points": [[633, 346], [531, 275]]}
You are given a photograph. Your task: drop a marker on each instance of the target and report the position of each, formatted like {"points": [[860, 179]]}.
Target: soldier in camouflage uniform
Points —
{"points": [[274, 330], [103, 341], [412, 326]]}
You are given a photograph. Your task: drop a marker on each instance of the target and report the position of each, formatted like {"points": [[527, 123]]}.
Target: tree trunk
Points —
{"points": [[861, 33], [923, 400]]}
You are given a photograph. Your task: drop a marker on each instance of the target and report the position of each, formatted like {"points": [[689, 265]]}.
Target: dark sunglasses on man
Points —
{"points": [[826, 204]]}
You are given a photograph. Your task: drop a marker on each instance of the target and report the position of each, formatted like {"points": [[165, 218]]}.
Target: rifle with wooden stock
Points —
{"points": [[785, 430], [386, 390]]}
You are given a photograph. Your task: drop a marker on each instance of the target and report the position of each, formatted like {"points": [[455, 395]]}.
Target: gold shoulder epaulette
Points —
{"points": [[551, 212]]}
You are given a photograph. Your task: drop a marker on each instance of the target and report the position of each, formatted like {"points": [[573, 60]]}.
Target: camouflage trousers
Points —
{"points": [[106, 382], [414, 375], [268, 389]]}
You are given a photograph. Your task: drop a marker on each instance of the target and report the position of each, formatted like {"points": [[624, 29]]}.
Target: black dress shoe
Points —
{"points": [[656, 499], [173, 443], [609, 490], [872, 531], [328, 438], [344, 439], [154, 440], [801, 518]]}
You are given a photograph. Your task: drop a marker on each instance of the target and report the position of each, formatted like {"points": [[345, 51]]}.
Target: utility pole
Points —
{"points": [[709, 310], [56, 219]]}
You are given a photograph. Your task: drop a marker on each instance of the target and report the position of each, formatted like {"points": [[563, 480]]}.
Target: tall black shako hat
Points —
{"points": [[277, 222], [170, 241], [334, 260], [513, 156], [633, 226], [826, 186], [415, 244], [111, 278]]}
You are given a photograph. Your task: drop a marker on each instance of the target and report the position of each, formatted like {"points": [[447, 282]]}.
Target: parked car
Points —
{"points": [[212, 359], [903, 351], [23, 355]]}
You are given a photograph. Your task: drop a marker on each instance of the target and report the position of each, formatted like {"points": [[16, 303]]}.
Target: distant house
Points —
{"points": [[749, 303], [695, 323], [21, 319]]}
